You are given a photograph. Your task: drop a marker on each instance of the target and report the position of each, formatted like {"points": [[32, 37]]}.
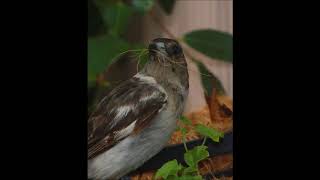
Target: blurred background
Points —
{"points": [[203, 27]]}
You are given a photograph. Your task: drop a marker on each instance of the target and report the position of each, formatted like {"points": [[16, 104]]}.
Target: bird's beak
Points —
{"points": [[157, 46]]}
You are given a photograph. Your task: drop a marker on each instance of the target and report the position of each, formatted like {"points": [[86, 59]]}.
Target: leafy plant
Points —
{"points": [[213, 43], [116, 17], [142, 6], [192, 157], [108, 24], [169, 169], [209, 80], [209, 132], [101, 53]]}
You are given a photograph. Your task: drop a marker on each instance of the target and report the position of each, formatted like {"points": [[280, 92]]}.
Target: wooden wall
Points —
{"points": [[190, 15]]}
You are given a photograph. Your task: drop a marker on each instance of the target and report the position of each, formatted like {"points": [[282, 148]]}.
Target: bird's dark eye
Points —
{"points": [[174, 50]]}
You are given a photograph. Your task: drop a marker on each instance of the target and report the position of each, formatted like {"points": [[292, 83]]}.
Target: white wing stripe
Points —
{"points": [[147, 79], [150, 80], [155, 94], [123, 111], [125, 131]]}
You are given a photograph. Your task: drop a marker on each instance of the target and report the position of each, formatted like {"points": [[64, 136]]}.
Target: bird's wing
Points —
{"points": [[125, 111]]}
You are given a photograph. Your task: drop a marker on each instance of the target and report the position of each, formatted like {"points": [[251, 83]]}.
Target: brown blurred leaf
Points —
{"points": [[211, 164], [220, 111], [216, 163], [225, 111]]}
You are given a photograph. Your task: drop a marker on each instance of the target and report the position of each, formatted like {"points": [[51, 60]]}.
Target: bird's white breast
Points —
{"points": [[134, 150]]}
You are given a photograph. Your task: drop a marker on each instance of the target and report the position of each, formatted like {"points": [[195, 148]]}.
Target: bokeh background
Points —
{"points": [[204, 28]]}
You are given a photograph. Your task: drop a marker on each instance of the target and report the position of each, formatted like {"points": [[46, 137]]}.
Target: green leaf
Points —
{"points": [[91, 80], [188, 177], [192, 178], [197, 178], [171, 177], [215, 44], [198, 153], [95, 20], [209, 132], [185, 120], [189, 170], [183, 131], [169, 168], [101, 51], [142, 6], [209, 80], [115, 15], [167, 5]]}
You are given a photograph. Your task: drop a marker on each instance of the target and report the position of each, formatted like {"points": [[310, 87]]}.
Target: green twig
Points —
{"points": [[204, 141], [184, 143]]}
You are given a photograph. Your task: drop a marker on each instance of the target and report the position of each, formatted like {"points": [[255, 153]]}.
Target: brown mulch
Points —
{"points": [[217, 115]]}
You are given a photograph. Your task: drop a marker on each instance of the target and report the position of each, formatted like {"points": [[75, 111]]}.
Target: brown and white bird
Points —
{"points": [[136, 119]]}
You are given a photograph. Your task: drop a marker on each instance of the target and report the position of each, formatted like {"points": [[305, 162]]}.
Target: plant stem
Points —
{"points": [[204, 140], [184, 142], [198, 172]]}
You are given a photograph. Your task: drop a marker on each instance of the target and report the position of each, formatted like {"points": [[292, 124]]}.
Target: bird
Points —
{"points": [[135, 121]]}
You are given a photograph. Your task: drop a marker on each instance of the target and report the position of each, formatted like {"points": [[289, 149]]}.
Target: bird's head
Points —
{"points": [[167, 51], [167, 61]]}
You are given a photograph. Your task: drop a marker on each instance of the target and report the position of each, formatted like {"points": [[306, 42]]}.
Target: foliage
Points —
{"points": [[213, 43], [142, 6], [209, 132], [192, 157], [108, 21], [101, 51], [209, 80], [108, 24]]}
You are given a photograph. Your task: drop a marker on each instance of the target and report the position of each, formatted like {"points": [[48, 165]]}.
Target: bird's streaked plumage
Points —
{"points": [[136, 119], [126, 110]]}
